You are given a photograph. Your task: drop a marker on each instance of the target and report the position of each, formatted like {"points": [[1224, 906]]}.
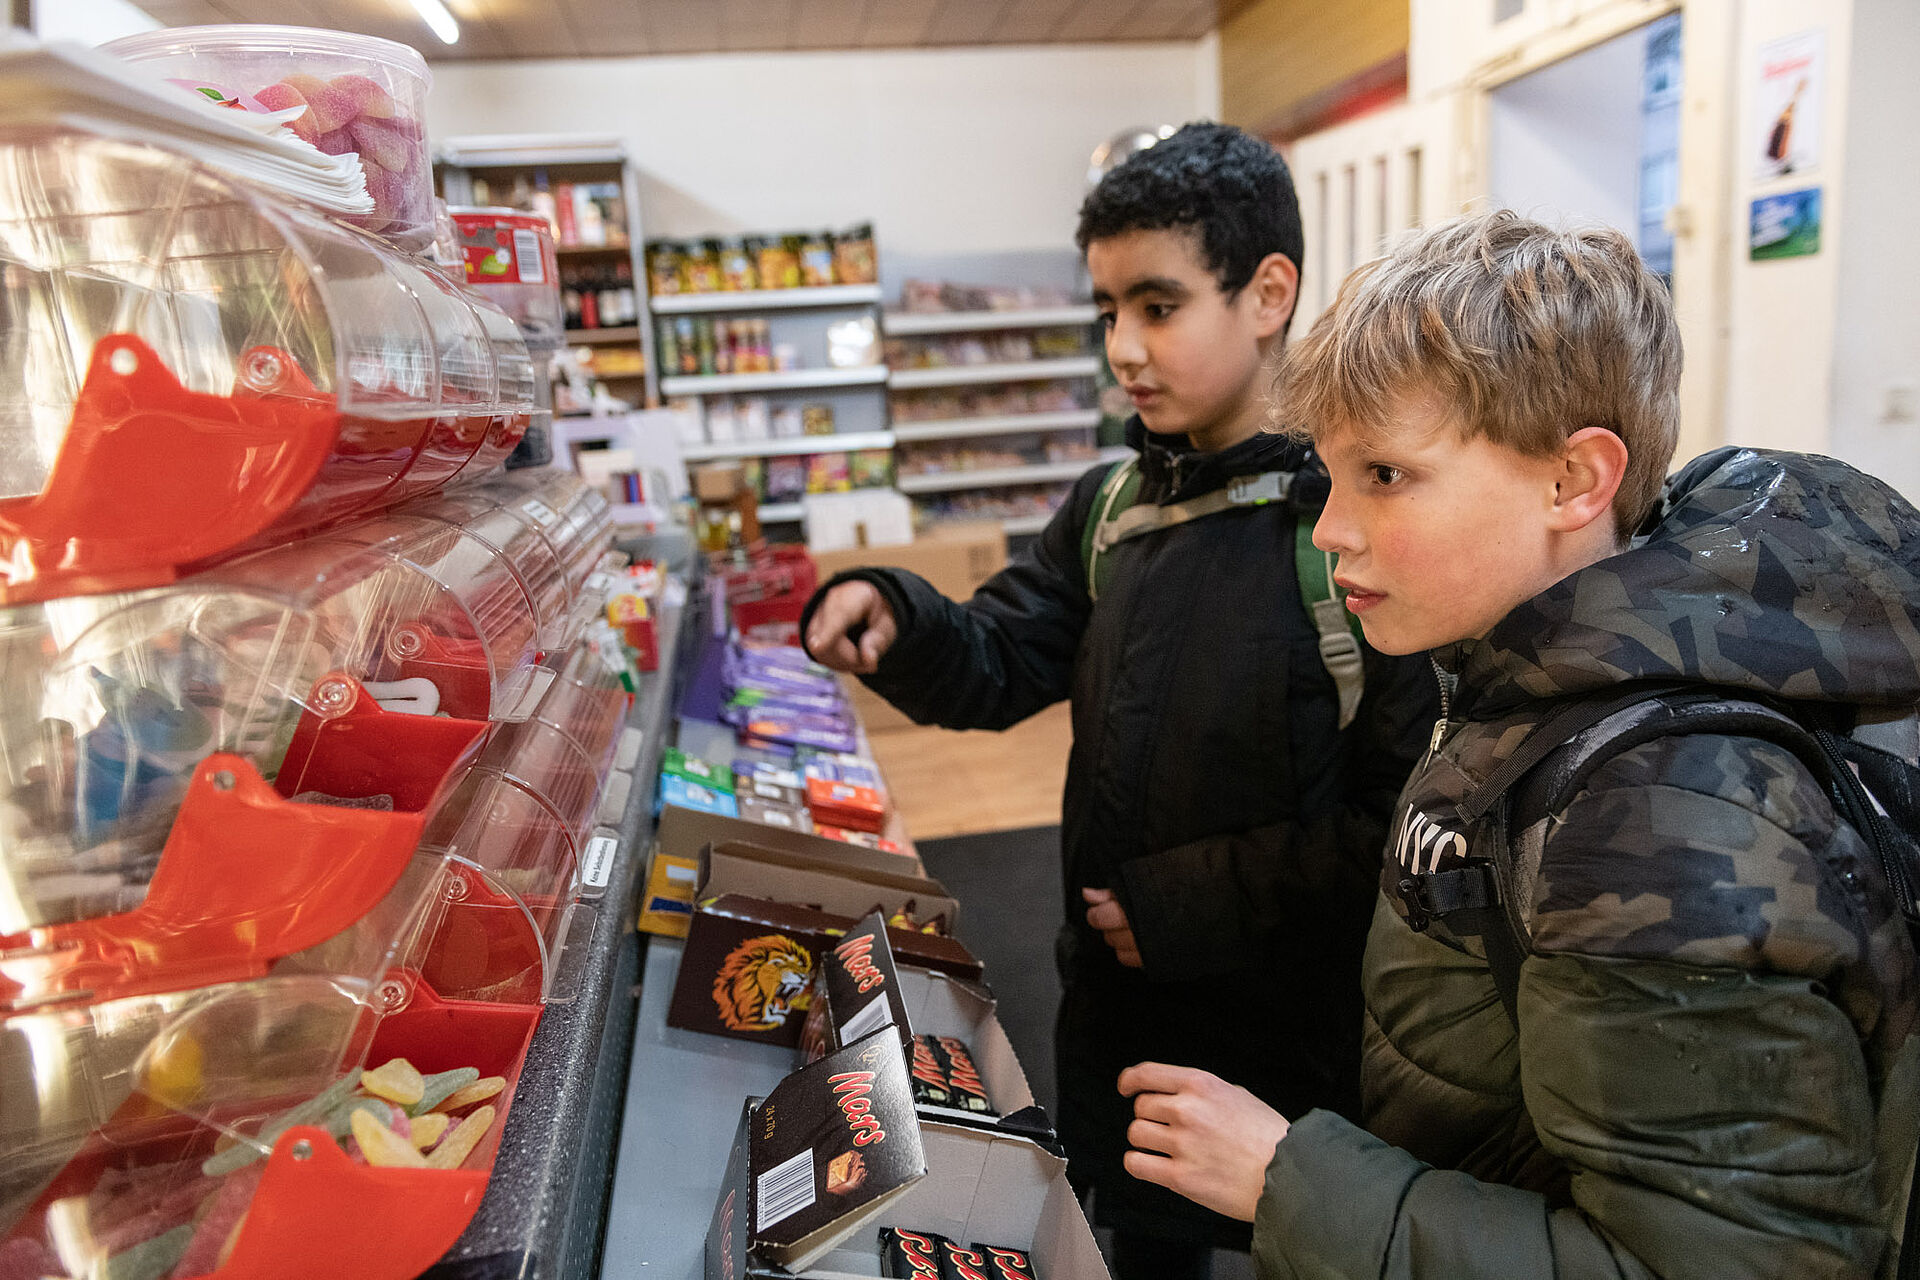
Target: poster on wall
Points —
{"points": [[1786, 225], [1787, 105]]}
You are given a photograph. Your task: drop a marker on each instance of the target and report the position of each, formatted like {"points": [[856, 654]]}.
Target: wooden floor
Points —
{"points": [[954, 784]]}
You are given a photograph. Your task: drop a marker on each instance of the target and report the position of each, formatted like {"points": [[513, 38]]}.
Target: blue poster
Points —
{"points": [[1785, 225]]}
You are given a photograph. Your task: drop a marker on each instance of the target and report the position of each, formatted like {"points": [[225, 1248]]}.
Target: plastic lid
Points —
{"points": [[245, 37]]}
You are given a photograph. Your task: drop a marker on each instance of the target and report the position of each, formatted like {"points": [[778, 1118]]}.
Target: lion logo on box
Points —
{"points": [[756, 985]]}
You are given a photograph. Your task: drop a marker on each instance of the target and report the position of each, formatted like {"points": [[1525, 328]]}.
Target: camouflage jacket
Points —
{"points": [[1707, 1078]]}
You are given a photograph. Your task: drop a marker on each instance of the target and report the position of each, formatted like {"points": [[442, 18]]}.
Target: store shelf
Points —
{"points": [[1007, 425], [1018, 526], [993, 477], [905, 323], [780, 512], [793, 445], [786, 380], [583, 250], [624, 333], [1019, 371], [834, 295]]}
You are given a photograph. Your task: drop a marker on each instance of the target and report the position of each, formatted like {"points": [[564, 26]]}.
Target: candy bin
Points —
{"points": [[520, 540], [197, 367], [354, 93]]}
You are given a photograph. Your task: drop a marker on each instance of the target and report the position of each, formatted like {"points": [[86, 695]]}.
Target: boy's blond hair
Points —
{"points": [[1525, 333]]}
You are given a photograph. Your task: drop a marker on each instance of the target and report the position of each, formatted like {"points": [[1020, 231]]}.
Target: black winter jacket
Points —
{"points": [[1208, 787]]}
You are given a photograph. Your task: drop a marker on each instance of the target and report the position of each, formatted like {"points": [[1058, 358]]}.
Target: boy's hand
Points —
{"points": [[1110, 918], [1195, 1134], [852, 629]]}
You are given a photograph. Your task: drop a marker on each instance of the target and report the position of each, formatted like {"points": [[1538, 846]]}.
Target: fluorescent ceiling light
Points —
{"points": [[435, 15]]}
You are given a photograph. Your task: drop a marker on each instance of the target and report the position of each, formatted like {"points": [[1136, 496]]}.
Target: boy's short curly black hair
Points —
{"points": [[1232, 190]]}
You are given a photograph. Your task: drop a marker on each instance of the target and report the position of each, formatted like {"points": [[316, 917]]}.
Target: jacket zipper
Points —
{"points": [[1446, 711]]}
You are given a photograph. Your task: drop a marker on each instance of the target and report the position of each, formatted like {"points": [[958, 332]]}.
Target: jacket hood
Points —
{"points": [[1171, 469], [1785, 574]]}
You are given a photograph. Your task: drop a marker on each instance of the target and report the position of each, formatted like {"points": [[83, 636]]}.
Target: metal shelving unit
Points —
{"points": [[833, 295], [790, 446], [1007, 425], [714, 384], [905, 323], [960, 375], [993, 477]]}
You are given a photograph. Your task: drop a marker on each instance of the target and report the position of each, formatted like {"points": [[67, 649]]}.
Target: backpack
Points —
{"points": [[1868, 771], [1119, 516]]}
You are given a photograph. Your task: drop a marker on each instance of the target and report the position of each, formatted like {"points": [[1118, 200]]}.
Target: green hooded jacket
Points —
{"points": [[1708, 1078]]}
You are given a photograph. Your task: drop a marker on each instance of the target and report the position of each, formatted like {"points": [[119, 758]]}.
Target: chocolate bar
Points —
{"points": [[962, 1263], [1006, 1264], [969, 1092], [911, 1255], [929, 1072]]}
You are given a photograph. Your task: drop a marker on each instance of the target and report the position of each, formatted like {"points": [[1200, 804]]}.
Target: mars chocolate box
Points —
{"points": [[825, 1152], [760, 920], [980, 1186]]}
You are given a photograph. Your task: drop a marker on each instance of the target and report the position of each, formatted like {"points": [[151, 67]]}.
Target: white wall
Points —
{"points": [[1877, 326], [1782, 314], [947, 151], [89, 21], [1564, 142]]}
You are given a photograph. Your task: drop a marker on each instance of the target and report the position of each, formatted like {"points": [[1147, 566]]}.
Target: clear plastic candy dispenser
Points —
{"points": [[195, 366], [355, 93]]}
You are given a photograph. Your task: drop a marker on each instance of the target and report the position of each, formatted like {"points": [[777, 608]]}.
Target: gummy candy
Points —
{"points": [[429, 1129], [443, 1085], [382, 1146], [312, 1111], [458, 1145], [396, 1080], [327, 107], [150, 1259], [478, 1091], [219, 1223], [367, 97]]}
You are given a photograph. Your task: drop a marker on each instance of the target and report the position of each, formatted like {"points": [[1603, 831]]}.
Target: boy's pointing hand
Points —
{"points": [[1110, 918], [852, 629]]}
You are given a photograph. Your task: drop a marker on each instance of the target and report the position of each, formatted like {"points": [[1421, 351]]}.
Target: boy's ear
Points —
{"points": [[1275, 288], [1591, 469]]}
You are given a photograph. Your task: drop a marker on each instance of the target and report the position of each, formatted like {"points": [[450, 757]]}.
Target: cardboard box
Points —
{"points": [[826, 1151], [956, 558], [683, 832], [981, 1188], [857, 987], [760, 919]]}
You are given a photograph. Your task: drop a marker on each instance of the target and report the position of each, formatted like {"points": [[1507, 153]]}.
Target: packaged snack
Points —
{"points": [[910, 1255], [665, 267], [780, 262], [870, 468], [816, 259], [816, 420], [969, 1094], [1006, 1264], [827, 473], [854, 258], [693, 769], [788, 422], [786, 479], [738, 272], [853, 343], [700, 267], [677, 791], [703, 340], [929, 1074]]}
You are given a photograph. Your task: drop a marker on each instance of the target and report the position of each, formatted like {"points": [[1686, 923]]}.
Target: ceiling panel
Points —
{"points": [[591, 28]]}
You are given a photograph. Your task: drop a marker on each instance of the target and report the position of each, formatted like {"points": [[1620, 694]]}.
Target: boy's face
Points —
{"points": [[1438, 537], [1187, 355]]}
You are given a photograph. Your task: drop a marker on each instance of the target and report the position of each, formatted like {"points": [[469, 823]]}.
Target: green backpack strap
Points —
{"points": [[1114, 519], [1339, 629], [1119, 491]]}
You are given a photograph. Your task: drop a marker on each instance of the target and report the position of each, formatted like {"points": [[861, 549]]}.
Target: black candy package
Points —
{"points": [[963, 1079], [912, 1255]]}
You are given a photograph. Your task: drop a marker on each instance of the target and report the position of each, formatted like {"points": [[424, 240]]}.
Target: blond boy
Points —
{"points": [[1693, 1079]]}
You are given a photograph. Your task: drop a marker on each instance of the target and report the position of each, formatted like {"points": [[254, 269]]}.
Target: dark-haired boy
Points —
{"points": [[1221, 827], [1669, 1035]]}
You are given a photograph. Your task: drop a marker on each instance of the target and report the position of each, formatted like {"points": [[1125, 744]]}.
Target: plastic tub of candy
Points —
{"points": [[509, 259], [359, 94]]}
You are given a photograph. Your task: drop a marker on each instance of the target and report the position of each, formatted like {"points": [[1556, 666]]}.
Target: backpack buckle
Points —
{"points": [[1257, 491], [1428, 895]]}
